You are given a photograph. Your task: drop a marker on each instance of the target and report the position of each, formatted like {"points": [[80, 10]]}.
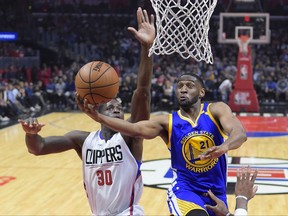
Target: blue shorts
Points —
{"points": [[180, 202]]}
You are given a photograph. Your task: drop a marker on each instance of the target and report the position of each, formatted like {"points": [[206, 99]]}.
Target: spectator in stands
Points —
{"points": [[34, 99], [40, 91], [211, 73], [4, 109], [167, 98], [270, 90], [60, 87], [225, 89], [125, 92], [11, 73], [157, 94], [51, 91], [70, 91], [45, 73], [13, 96], [35, 74], [211, 90], [282, 89], [29, 101], [230, 69]]}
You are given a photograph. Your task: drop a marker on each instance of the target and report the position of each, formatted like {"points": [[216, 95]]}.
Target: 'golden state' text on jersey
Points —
{"points": [[187, 140]]}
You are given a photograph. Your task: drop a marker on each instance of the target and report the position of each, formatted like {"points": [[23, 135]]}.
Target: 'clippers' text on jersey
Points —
{"points": [[107, 155]]}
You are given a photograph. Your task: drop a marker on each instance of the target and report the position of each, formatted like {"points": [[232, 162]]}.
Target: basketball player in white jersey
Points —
{"points": [[111, 161]]}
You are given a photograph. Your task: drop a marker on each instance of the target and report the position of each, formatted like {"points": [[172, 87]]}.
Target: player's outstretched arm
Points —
{"points": [[39, 145], [31, 127], [231, 125], [140, 103], [146, 129]]}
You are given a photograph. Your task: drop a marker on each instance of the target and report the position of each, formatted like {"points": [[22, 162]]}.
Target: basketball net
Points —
{"points": [[243, 41], [182, 27]]}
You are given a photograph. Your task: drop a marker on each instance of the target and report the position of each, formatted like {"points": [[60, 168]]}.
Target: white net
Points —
{"points": [[243, 42], [182, 27]]}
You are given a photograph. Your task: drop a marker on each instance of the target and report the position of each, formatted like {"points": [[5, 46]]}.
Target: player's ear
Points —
{"points": [[202, 92]]}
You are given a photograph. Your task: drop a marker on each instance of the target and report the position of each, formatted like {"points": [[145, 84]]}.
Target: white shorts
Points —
{"points": [[135, 210]]}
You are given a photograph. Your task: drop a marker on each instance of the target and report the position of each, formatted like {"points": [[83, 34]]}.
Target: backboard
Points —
{"points": [[256, 25]]}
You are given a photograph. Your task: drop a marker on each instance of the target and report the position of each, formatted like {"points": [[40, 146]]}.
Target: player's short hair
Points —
{"points": [[199, 79]]}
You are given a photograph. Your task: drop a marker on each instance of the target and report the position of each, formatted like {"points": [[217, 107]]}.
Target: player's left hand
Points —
{"points": [[220, 209], [146, 29], [89, 109], [214, 152]]}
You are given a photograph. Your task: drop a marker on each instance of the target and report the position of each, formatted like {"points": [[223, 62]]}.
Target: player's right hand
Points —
{"points": [[79, 101], [31, 125], [89, 109]]}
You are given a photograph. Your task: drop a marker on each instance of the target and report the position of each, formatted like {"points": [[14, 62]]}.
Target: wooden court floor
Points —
{"points": [[52, 184]]}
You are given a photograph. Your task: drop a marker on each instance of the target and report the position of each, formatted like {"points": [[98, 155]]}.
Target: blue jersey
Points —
{"points": [[188, 139]]}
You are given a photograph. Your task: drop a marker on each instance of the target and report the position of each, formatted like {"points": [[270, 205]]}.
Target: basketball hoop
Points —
{"points": [[243, 41], [182, 27]]}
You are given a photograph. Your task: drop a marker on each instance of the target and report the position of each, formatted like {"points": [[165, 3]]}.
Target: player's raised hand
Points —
{"points": [[89, 109], [31, 125], [146, 29], [245, 183]]}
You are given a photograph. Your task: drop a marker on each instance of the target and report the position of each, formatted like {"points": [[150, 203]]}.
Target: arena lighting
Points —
{"points": [[247, 18], [8, 36]]}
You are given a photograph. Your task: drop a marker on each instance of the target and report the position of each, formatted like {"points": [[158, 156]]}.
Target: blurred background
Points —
{"points": [[43, 43]]}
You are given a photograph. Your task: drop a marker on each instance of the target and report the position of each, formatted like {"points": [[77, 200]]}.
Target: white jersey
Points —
{"points": [[112, 177]]}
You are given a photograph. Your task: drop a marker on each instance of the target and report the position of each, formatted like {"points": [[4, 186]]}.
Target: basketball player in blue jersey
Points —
{"points": [[111, 161], [198, 137]]}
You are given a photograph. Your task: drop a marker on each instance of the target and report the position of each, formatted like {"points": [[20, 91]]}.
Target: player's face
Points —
{"points": [[188, 91], [113, 109]]}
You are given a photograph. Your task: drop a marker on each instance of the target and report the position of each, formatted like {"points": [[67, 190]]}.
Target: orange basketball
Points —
{"points": [[97, 81]]}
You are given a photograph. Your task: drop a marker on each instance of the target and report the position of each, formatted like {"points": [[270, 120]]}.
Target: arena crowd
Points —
{"points": [[78, 37]]}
